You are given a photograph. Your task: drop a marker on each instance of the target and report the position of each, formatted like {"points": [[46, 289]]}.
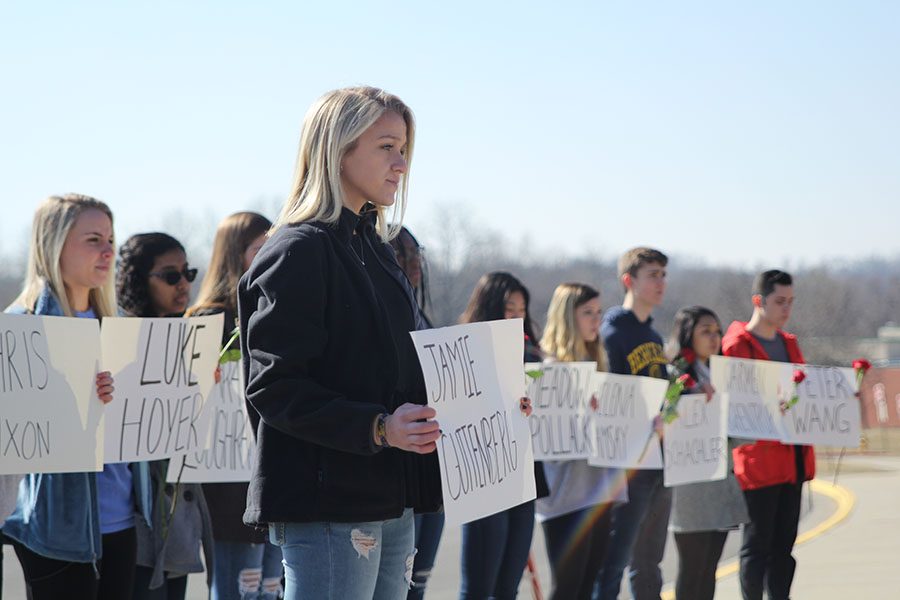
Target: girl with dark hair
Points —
{"points": [[702, 513], [154, 280], [246, 565], [495, 549], [429, 525]]}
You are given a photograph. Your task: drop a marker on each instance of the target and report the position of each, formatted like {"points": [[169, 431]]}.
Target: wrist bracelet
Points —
{"points": [[381, 430]]}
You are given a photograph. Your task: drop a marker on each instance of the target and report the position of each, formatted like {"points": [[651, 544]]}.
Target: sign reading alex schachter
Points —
{"points": [[561, 420], [752, 389], [164, 370], [623, 422], [696, 443], [229, 451], [827, 411], [473, 377], [50, 416]]}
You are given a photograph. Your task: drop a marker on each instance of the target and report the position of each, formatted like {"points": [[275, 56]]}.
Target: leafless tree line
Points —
{"points": [[837, 304]]}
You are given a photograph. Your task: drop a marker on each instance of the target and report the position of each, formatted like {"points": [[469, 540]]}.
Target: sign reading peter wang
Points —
{"points": [[561, 422], [229, 452], [473, 376], [164, 370], [50, 416], [827, 411]]}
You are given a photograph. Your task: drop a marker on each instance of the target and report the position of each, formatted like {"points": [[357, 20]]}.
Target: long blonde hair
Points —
{"points": [[561, 338], [233, 236], [53, 220], [330, 129]]}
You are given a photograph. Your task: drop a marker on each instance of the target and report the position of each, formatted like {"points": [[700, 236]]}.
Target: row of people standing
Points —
{"points": [[125, 532], [601, 523], [345, 440]]}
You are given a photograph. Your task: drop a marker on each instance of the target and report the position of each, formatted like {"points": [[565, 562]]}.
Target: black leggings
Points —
{"points": [[698, 557], [576, 546], [173, 588], [48, 578]]}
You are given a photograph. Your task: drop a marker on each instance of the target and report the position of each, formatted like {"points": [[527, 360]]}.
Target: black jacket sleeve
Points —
{"points": [[283, 317]]}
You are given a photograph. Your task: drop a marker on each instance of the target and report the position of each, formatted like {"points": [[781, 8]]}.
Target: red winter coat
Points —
{"points": [[765, 462]]}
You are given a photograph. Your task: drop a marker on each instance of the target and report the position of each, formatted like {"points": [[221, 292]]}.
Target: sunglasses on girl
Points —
{"points": [[173, 277]]}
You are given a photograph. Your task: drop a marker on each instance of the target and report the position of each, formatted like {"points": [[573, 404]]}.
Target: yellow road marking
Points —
{"points": [[844, 499]]}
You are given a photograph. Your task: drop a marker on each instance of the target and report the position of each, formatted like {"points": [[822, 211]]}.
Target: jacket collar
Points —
{"points": [[47, 304], [738, 330], [350, 222]]}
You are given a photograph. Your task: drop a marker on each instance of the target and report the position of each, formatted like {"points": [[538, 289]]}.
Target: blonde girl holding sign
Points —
{"points": [[334, 389], [576, 515], [74, 533]]}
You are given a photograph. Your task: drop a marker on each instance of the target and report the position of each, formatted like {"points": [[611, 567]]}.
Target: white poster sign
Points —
{"points": [[230, 449], [50, 416], [696, 442], [623, 422], [473, 376], [164, 370], [827, 411], [561, 423], [752, 389]]}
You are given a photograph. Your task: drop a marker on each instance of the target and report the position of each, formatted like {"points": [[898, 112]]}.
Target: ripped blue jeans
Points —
{"points": [[245, 571], [335, 561]]}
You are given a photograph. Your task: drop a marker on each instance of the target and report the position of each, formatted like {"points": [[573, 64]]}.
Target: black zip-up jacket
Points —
{"points": [[319, 364]]}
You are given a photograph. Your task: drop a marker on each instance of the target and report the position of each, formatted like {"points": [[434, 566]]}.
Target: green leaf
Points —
{"points": [[535, 373]]}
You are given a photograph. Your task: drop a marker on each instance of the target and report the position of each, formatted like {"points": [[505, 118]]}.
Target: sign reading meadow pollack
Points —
{"points": [[752, 389], [473, 377], [164, 370], [50, 416], [561, 423], [827, 410], [696, 442], [229, 451], [623, 422]]}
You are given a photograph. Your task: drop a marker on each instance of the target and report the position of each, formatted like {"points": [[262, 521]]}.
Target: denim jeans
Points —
{"points": [[429, 527], [495, 552], [337, 561], [638, 538], [245, 571]]}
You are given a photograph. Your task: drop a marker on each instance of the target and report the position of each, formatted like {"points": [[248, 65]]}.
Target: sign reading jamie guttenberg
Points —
{"points": [[50, 415], [560, 395], [473, 377], [164, 370], [229, 451]]}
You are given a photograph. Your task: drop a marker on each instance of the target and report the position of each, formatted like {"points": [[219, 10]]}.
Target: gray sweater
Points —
{"points": [[709, 505]]}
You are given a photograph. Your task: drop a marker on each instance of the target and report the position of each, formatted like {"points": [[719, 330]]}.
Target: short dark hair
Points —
{"points": [[636, 258], [765, 282]]}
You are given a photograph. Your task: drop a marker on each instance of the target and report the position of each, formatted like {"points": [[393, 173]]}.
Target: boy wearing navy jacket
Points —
{"points": [[633, 347], [770, 473]]}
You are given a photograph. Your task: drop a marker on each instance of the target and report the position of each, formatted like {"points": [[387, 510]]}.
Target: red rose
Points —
{"points": [[799, 376], [861, 364], [688, 355], [687, 381]]}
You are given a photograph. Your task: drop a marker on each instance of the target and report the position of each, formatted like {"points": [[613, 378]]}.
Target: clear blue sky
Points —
{"points": [[739, 133]]}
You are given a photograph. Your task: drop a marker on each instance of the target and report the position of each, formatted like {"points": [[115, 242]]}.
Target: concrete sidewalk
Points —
{"points": [[859, 557]]}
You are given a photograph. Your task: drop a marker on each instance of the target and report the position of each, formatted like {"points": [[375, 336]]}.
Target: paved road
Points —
{"points": [[855, 559]]}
